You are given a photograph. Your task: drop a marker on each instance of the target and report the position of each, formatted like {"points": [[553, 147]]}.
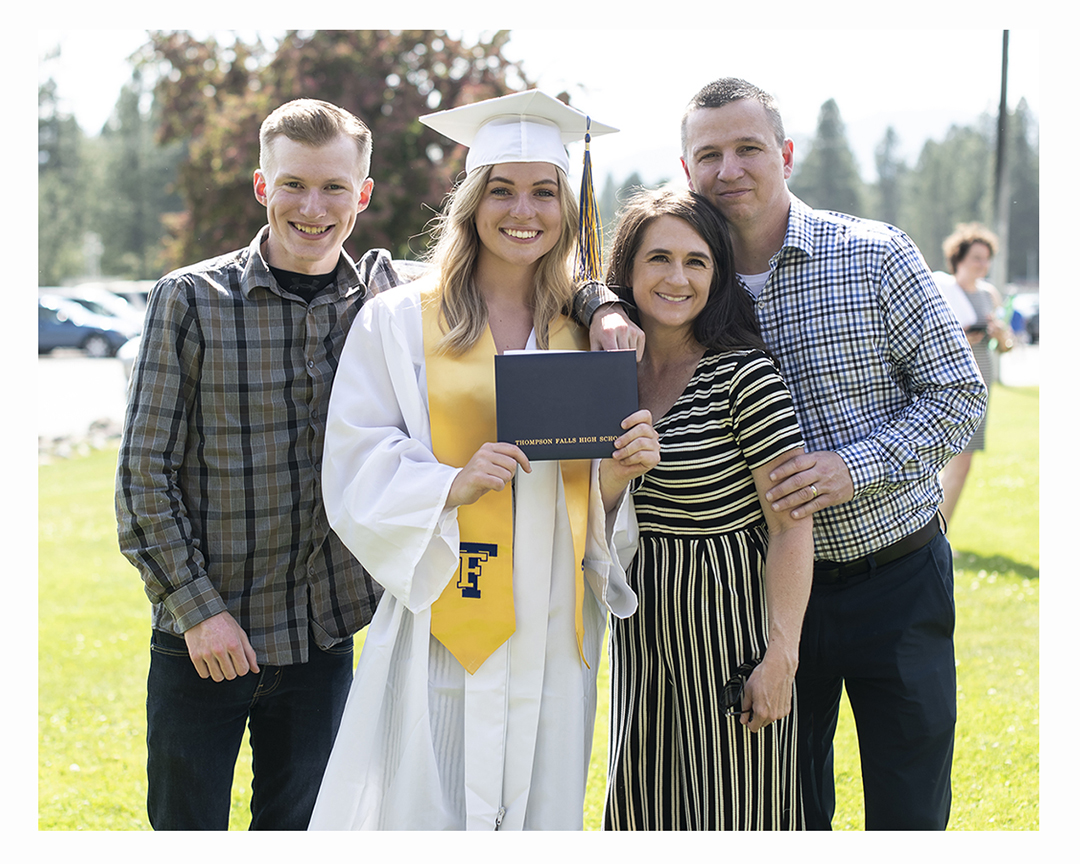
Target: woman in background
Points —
{"points": [[969, 250]]}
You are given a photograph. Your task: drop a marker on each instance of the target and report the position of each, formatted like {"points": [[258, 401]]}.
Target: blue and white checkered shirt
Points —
{"points": [[878, 367]]}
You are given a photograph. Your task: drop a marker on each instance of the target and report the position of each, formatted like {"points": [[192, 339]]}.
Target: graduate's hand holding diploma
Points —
{"points": [[493, 465], [636, 452], [490, 469]]}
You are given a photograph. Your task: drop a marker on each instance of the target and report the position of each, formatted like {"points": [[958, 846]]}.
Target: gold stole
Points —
{"points": [[474, 615]]}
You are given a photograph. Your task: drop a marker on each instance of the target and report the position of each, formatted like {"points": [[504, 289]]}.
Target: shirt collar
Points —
{"points": [[257, 271], [799, 234]]}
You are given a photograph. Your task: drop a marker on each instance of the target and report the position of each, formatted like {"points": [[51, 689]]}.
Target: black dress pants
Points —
{"points": [[887, 636]]}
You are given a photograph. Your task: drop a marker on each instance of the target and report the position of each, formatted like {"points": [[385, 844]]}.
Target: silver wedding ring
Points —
{"points": [[813, 489]]}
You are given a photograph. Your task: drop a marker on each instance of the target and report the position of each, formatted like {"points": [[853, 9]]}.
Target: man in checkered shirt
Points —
{"points": [[886, 392]]}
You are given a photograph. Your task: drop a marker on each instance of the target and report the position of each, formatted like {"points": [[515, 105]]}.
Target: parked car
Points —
{"points": [[102, 301], [63, 323], [136, 292], [127, 355]]}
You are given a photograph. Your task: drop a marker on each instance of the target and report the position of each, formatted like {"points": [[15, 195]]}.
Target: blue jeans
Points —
{"points": [[887, 637], [194, 728]]}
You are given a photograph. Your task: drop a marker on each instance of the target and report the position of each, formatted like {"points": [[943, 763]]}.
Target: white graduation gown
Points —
{"points": [[423, 744]]}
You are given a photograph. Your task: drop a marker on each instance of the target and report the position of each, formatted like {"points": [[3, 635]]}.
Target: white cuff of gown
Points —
{"points": [[608, 577]]}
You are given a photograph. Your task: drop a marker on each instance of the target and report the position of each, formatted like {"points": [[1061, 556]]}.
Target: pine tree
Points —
{"points": [[951, 183], [65, 190], [139, 177], [890, 172], [828, 178], [1023, 196]]}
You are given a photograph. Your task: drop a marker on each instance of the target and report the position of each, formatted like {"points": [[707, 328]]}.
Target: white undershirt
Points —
{"points": [[756, 282]]}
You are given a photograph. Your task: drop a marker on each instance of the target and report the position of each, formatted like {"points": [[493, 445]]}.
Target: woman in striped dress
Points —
{"points": [[722, 581]]}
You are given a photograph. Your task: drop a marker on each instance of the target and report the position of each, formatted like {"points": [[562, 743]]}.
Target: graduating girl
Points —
{"points": [[473, 707]]}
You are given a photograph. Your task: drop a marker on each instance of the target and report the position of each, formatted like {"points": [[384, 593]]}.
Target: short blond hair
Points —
{"points": [[315, 123]]}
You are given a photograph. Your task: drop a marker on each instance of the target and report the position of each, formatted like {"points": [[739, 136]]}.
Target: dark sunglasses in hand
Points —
{"points": [[731, 697]]}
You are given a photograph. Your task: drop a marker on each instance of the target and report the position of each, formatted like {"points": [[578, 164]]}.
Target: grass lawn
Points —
{"points": [[94, 631]]}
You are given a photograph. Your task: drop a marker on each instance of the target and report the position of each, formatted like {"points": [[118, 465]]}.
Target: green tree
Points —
{"points": [[828, 178], [65, 190], [611, 200], [951, 183], [215, 96], [139, 177], [891, 171], [1023, 162], [211, 100], [607, 205]]}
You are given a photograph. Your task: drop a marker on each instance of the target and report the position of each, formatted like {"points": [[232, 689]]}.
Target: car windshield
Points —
{"points": [[63, 308], [95, 307]]}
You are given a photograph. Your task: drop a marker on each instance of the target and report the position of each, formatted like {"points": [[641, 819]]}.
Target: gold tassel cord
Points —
{"points": [[590, 262]]}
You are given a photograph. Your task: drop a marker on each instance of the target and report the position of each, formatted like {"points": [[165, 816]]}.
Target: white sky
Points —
{"points": [[920, 81]]}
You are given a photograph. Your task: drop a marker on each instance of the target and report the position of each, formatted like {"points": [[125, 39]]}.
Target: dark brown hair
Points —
{"points": [[958, 243], [728, 322]]}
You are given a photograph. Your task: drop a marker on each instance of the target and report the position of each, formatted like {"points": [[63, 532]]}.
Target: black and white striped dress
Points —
{"points": [[675, 760]]}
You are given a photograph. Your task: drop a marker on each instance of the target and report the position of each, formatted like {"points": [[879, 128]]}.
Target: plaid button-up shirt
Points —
{"points": [[218, 491], [878, 367]]}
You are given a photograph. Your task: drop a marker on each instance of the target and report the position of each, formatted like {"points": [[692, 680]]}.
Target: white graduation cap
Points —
{"points": [[521, 127], [531, 127]]}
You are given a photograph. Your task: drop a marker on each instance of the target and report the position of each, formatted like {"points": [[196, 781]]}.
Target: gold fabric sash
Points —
{"points": [[474, 615]]}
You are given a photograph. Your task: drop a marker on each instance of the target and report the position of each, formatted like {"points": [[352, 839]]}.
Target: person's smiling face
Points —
{"points": [[519, 218], [312, 196], [672, 275], [733, 158]]}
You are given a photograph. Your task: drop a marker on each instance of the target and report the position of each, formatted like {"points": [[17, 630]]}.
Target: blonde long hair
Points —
{"points": [[453, 256]]}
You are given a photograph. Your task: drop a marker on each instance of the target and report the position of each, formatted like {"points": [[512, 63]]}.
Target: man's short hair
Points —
{"points": [[315, 123], [723, 92]]}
